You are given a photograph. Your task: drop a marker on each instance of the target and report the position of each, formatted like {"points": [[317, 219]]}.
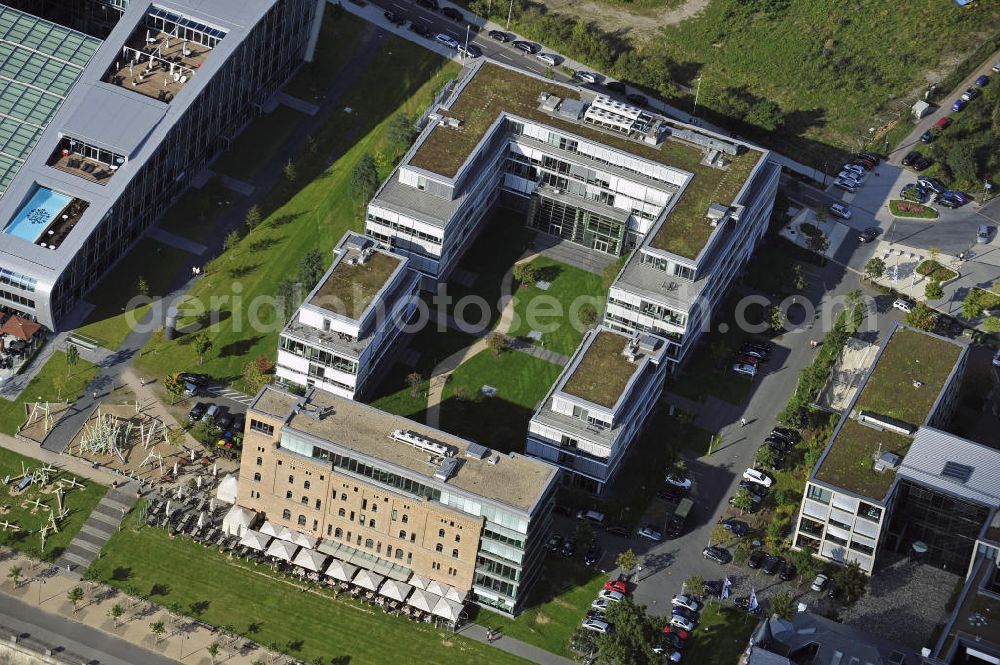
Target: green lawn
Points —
{"points": [[156, 263], [301, 217], [16, 510], [196, 212], [501, 421], [309, 626], [723, 634], [935, 271], [556, 607], [570, 289], [258, 143], [908, 209], [54, 382]]}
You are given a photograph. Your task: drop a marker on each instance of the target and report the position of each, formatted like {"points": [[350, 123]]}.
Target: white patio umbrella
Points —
{"points": [[202, 519], [422, 600], [418, 582], [395, 590], [310, 560], [255, 540], [269, 528], [282, 549], [447, 609], [437, 588], [301, 539], [366, 579], [341, 570]]}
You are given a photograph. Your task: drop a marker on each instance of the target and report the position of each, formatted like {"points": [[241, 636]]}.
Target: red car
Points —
{"points": [[747, 360], [679, 632], [616, 585], [943, 122]]}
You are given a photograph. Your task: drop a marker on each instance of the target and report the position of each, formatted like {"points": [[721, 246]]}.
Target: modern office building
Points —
{"points": [[598, 406], [100, 137], [890, 478], [972, 634], [93, 17], [339, 338], [405, 497], [592, 171]]}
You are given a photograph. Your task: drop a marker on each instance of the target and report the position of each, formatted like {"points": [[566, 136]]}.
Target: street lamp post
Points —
{"points": [[509, 12], [697, 91], [466, 52]]}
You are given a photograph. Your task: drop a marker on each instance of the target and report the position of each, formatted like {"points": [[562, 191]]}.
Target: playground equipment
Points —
{"points": [[40, 412], [38, 505], [72, 482], [43, 531], [105, 436], [5, 525], [152, 457]]}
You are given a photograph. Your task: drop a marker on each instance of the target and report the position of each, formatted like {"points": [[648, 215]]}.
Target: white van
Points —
{"points": [[446, 40], [547, 58], [592, 515]]}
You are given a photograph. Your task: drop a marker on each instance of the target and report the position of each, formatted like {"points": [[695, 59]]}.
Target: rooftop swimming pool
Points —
{"points": [[37, 214]]}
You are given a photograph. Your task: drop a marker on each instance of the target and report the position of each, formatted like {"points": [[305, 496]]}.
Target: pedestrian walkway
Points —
{"points": [[177, 242], [538, 352], [70, 464], [527, 651], [572, 254], [104, 520], [235, 185], [230, 393], [295, 103]]}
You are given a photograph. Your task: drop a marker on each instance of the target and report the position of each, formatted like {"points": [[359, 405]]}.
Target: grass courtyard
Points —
{"points": [[723, 634], [55, 382], [500, 422], [15, 509], [311, 213], [258, 143], [309, 626]]}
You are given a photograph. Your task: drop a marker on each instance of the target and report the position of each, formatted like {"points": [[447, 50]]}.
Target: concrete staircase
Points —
{"points": [[101, 524]]}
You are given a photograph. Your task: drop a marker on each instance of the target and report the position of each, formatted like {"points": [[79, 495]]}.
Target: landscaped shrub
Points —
{"points": [[910, 209], [810, 230]]}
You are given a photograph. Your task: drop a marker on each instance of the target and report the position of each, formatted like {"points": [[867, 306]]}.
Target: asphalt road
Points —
{"points": [[38, 627]]}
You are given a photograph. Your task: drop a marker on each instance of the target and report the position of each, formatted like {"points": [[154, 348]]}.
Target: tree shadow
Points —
{"points": [[549, 273], [121, 574], [240, 347], [199, 608], [243, 271], [284, 219], [264, 244], [159, 589]]}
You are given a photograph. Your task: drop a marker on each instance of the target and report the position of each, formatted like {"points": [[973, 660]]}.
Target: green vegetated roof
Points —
{"points": [[494, 90], [351, 288], [892, 389], [603, 372]]}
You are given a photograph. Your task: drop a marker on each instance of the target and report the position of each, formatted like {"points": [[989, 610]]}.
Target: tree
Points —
{"points": [[175, 436], [141, 286], [719, 534], [264, 364], [15, 575], [806, 565], [157, 629], [934, 253], [743, 501], [933, 290], [116, 613], [402, 131], [290, 171], [414, 379], [72, 357], [874, 269], [851, 581], [202, 343], [694, 585], [74, 596], [232, 239], [777, 319], [632, 640], [781, 604], [286, 295], [253, 378], [253, 219], [972, 306], [60, 382], [799, 282], [818, 243], [311, 269], [525, 273], [921, 317], [364, 179], [588, 315], [213, 650], [765, 457], [766, 115], [627, 561], [174, 386], [496, 343], [961, 160]]}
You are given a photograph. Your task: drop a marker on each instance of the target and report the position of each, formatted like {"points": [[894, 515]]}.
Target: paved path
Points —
{"points": [[104, 520], [296, 103], [177, 242], [478, 633]]}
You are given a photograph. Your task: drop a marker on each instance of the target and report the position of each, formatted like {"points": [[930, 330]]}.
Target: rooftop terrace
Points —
{"points": [[978, 618], [495, 89], [512, 479], [904, 384], [603, 372], [352, 286], [157, 64]]}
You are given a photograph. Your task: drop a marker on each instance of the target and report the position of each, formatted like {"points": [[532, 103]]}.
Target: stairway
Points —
{"points": [[101, 524]]}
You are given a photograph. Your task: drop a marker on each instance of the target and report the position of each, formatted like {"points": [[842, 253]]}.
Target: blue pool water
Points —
{"points": [[36, 215]]}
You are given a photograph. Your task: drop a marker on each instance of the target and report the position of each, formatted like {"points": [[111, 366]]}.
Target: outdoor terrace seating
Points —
{"points": [[157, 65]]}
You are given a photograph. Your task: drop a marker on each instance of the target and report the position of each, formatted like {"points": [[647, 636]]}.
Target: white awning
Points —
{"points": [[448, 609], [366, 579], [228, 489], [301, 539], [238, 520], [422, 600], [437, 588], [395, 590], [418, 582], [255, 540], [282, 549], [310, 560], [454, 594], [340, 570], [269, 528]]}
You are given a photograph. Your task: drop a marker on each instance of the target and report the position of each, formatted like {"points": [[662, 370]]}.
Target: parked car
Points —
{"points": [[616, 585], [753, 488], [961, 197], [197, 411], [942, 123], [869, 234], [586, 77], [600, 604], [719, 555], [832, 589], [746, 370], [471, 50], [786, 433], [239, 422], [756, 354], [870, 155], [429, 4], [856, 168], [210, 413], [927, 136], [224, 419], [911, 157], [690, 615], [637, 99], [499, 36], [788, 571], [673, 639], [393, 17], [970, 94], [611, 596], [446, 40], [650, 533], [779, 443], [597, 626], [933, 184], [592, 556], [903, 305], [711, 588], [865, 163], [420, 30], [983, 234], [996, 67], [756, 559], [772, 564], [852, 177], [948, 203], [549, 59], [682, 600], [755, 502], [453, 14], [615, 86], [747, 359], [755, 476], [820, 582], [840, 210], [996, 359], [959, 105], [568, 548], [846, 185], [982, 80], [678, 481], [527, 47], [922, 163], [554, 542], [681, 622], [591, 515], [737, 527]]}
